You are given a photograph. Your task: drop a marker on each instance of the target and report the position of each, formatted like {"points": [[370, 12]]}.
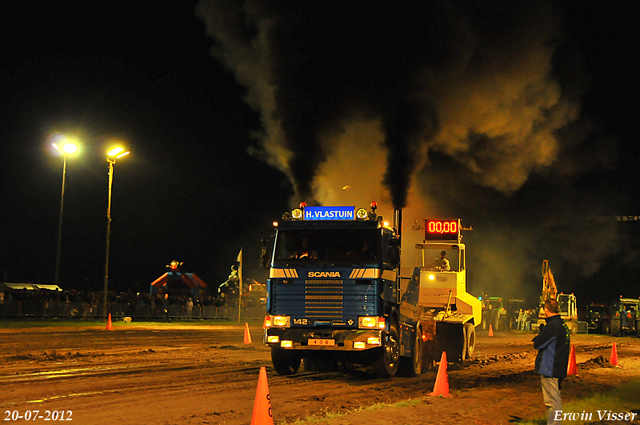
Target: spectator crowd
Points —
{"points": [[87, 304]]}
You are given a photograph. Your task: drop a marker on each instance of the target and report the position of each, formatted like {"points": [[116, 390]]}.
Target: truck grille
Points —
{"points": [[323, 299]]}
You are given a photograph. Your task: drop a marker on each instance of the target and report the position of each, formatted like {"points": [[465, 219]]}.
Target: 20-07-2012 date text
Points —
{"points": [[38, 415]]}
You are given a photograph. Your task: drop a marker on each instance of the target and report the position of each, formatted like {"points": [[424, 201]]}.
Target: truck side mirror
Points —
{"points": [[394, 257], [264, 250], [394, 253]]}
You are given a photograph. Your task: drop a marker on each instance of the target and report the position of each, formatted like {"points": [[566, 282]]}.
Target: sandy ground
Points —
{"points": [[180, 374]]}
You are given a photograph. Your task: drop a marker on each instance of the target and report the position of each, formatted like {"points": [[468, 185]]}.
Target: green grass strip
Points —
{"points": [[334, 415]]}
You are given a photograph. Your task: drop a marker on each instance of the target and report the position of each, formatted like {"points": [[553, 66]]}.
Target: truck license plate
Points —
{"points": [[322, 342]]}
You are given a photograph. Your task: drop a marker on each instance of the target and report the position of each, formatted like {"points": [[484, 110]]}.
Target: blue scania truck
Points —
{"points": [[335, 292]]}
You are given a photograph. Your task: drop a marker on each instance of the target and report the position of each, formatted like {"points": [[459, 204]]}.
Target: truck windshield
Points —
{"points": [[358, 246]]}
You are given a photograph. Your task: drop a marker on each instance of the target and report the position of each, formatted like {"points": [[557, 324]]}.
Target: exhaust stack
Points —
{"points": [[397, 223]]}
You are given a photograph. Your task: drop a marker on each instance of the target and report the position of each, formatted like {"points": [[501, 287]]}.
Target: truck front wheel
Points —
{"points": [[285, 362], [386, 364], [412, 366]]}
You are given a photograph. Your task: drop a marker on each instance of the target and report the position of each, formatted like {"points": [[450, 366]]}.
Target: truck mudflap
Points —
{"points": [[451, 336], [298, 339]]}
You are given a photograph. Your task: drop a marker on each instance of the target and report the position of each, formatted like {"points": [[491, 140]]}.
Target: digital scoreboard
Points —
{"points": [[442, 229]]}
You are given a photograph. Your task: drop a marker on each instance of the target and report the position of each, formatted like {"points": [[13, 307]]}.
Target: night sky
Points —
{"points": [[518, 117]]}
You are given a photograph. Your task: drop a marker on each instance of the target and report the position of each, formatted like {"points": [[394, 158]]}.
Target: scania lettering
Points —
{"points": [[323, 274], [348, 302]]}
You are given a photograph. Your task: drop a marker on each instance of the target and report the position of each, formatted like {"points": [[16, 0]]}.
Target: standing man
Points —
{"points": [[527, 320], [165, 307], [553, 344], [189, 307], [520, 320]]}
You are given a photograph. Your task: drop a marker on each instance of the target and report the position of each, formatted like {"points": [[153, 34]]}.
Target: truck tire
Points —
{"points": [[465, 342], [615, 327], [387, 362], [638, 328], [285, 362], [470, 332], [310, 364], [412, 366]]}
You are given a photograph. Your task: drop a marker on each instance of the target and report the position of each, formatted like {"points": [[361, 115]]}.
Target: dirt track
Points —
{"points": [[205, 375]]}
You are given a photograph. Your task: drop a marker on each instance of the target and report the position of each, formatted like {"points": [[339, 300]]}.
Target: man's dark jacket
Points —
{"points": [[553, 344]]}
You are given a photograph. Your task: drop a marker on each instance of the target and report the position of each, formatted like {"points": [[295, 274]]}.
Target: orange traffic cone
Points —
{"points": [[247, 334], [262, 406], [572, 369], [614, 356], [109, 325], [441, 386], [490, 330]]}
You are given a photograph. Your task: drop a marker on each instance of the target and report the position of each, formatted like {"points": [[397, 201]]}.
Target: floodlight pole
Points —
{"points": [[240, 286], [106, 258], [64, 176]]}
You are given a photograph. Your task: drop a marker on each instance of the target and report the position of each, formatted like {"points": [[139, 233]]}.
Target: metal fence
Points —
{"points": [[139, 311]]}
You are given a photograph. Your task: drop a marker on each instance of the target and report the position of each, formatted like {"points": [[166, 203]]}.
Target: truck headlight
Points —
{"points": [[371, 322], [277, 322], [280, 321]]}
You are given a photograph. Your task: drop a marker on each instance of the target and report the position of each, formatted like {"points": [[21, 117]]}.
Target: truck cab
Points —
{"points": [[334, 292], [625, 318]]}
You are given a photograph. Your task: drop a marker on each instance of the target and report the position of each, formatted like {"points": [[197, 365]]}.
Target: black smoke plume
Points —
{"points": [[309, 65], [461, 109]]}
